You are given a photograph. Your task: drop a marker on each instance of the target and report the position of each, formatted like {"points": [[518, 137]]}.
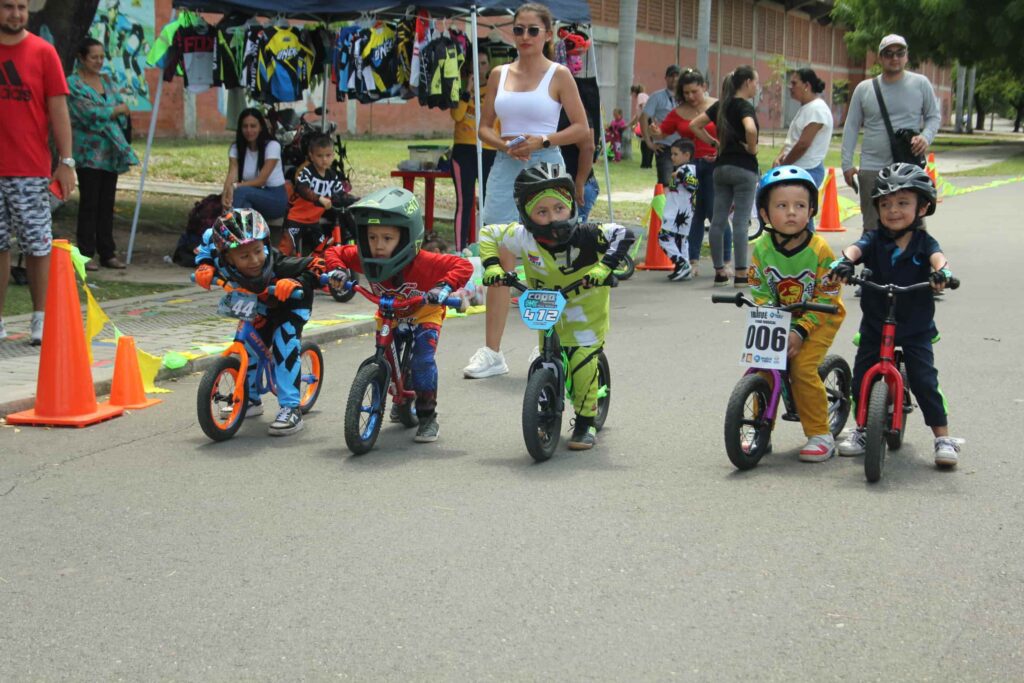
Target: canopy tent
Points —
{"points": [[567, 11]]}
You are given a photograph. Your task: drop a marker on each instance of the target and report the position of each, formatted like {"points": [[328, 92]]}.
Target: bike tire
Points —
{"points": [[345, 295], [838, 380], [894, 438], [311, 375], [875, 431], [627, 266], [211, 396], [367, 398], [747, 437], [604, 390], [542, 421]]}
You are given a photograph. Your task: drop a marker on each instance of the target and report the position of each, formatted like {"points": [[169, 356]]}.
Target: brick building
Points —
{"points": [[754, 32]]}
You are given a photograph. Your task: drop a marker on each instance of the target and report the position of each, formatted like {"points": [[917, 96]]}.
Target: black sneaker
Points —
{"points": [[675, 271], [721, 280], [584, 434], [288, 421], [428, 430]]}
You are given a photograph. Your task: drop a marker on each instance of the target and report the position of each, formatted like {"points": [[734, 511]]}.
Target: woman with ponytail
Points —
{"points": [[811, 130], [736, 173]]}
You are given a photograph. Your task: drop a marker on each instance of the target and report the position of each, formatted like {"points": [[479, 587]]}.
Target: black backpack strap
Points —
{"points": [[885, 112]]}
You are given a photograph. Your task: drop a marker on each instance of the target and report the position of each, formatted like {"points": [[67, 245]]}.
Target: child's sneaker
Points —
{"points": [[428, 430], [584, 434], [818, 448], [854, 444], [288, 421], [255, 409], [683, 272], [947, 451], [485, 363], [35, 334]]}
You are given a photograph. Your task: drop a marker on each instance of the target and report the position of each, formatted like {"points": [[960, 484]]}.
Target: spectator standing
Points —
{"points": [[657, 108], [34, 103], [910, 101], [255, 177], [810, 132], [646, 155], [98, 120]]}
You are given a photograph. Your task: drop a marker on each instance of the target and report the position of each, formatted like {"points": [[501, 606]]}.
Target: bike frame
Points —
{"points": [[886, 369], [780, 388], [247, 334]]}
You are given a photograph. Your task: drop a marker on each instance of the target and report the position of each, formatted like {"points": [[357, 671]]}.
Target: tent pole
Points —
{"points": [[323, 116], [476, 123], [154, 114], [604, 142]]}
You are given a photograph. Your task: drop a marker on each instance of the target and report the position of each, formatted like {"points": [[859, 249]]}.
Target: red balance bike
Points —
{"points": [[385, 372], [884, 400]]}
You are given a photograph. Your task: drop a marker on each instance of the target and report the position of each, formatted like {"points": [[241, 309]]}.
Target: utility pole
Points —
{"points": [[704, 37], [970, 99], [626, 52]]}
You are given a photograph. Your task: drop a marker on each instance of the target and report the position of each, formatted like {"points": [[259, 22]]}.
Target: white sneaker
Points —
{"points": [[534, 355], [854, 444], [254, 410], [35, 329], [485, 363], [947, 451], [3, 330], [818, 448]]}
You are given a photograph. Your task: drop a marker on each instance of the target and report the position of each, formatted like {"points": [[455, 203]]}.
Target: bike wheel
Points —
{"points": [[894, 437], [542, 421], [311, 375], [216, 392], [346, 295], [364, 411], [604, 390], [837, 378], [626, 268], [747, 432], [876, 428]]}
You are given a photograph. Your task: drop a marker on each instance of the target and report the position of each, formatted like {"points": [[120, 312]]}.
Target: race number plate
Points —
{"points": [[241, 305], [540, 309], [766, 339]]}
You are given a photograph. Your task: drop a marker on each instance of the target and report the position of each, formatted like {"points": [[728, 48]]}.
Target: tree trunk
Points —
{"points": [[961, 87], [67, 21], [626, 52], [979, 108]]}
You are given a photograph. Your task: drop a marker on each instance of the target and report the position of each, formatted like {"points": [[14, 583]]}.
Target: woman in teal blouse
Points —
{"points": [[101, 153]]}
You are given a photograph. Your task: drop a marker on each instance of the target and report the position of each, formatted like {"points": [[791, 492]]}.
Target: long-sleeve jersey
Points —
{"points": [[427, 270], [584, 321], [781, 278], [310, 186], [680, 200]]}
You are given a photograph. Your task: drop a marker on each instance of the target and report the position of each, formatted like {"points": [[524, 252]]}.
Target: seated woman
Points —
{"points": [[257, 182]]}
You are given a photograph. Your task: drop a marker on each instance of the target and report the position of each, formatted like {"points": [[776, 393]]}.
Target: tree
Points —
{"points": [[67, 21]]}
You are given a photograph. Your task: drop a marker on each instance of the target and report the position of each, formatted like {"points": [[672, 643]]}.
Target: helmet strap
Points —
{"points": [[783, 240], [896, 234]]}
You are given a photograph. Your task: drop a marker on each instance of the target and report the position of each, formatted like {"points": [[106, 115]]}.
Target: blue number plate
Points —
{"points": [[241, 305], [540, 309]]}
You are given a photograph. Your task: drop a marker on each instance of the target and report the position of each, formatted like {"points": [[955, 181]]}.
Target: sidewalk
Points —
{"points": [[184, 321]]}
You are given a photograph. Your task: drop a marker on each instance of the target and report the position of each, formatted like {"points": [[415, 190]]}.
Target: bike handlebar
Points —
{"points": [[740, 299], [228, 287], [863, 281], [395, 303], [512, 280]]}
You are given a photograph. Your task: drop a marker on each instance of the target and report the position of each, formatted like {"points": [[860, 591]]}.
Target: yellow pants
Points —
{"points": [[583, 370], [808, 389]]}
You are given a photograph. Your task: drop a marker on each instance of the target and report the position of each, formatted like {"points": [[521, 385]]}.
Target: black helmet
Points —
{"points": [[394, 207], [238, 227], [536, 179], [905, 177]]}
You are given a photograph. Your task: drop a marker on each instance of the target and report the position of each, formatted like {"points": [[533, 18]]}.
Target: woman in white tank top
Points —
{"points": [[527, 96]]}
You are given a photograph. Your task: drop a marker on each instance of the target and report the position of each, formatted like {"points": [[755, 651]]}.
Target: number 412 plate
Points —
{"points": [[540, 309], [766, 340]]}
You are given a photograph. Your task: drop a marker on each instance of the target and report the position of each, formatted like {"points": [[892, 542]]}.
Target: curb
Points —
{"points": [[102, 386]]}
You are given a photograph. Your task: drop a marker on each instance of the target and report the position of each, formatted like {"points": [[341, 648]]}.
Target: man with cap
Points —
{"points": [[659, 104], [910, 101]]}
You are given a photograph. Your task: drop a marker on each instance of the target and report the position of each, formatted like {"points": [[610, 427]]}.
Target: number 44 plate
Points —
{"points": [[540, 309], [766, 340]]}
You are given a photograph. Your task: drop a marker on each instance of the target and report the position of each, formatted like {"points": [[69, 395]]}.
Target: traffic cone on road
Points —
{"points": [[655, 258], [933, 173], [65, 396], [828, 209], [127, 391]]}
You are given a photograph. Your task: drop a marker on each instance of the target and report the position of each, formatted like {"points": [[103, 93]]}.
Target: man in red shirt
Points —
{"points": [[32, 101]]}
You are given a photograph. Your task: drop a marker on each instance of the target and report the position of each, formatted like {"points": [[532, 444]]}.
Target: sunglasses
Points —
{"points": [[889, 54], [519, 31]]}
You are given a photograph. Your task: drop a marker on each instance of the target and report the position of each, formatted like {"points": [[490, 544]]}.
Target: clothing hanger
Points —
{"points": [[281, 21]]}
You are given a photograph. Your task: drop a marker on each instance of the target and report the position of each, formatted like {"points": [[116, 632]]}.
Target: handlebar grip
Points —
{"points": [[954, 283], [296, 293], [453, 302], [726, 298]]}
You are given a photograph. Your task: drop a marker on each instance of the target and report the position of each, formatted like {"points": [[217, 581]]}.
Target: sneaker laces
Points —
{"points": [[283, 415]]}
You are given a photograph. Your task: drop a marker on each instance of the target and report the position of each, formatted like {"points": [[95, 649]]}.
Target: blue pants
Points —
{"points": [[271, 202], [423, 367], [281, 332], [499, 203], [590, 192], [818, 173], [922, 375], [705, 209]]}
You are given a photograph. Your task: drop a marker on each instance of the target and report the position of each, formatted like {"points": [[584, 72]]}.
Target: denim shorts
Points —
{"points": [[499, 201]]}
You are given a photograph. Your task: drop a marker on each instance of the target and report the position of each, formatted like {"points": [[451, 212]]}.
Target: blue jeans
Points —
{"points": [[499, 201], [590, 192], [705, 209], [271, 202], [818, 173]]}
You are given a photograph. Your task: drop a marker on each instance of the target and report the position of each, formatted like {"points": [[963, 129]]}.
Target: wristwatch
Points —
{"points": [[69, 162], [545, 143]]}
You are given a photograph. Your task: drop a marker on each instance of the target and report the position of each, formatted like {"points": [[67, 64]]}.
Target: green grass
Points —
{"points": [[1013, 167], [19, 302]]}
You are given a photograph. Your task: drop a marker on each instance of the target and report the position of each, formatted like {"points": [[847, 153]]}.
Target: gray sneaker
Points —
{"points": [[854, 443], [288, 421], [947, 451], [428, 430], [35, 330]]}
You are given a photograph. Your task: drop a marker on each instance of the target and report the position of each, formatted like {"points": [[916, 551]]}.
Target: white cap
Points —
{"points": [[892, 39]]}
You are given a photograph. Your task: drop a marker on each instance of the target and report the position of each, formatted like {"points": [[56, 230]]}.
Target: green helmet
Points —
{"points": [[396, 208]]}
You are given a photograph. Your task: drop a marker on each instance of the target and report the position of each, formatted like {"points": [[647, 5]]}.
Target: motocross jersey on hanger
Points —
{"points": [[285, 64], [192, 50]]}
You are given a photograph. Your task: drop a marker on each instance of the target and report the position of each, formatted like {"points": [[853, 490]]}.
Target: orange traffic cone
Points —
{"points": [[127, 391], [828, 212], [655, 258], [933, 173], [64, 392]]}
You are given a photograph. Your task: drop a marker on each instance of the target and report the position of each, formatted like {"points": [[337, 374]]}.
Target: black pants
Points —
{"points": [[96, 191], [922, 375], [646, 154], [464, 175], [663, 162]]}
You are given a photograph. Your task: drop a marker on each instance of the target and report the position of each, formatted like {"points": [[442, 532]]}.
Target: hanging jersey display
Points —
{"points": [[192, 51], [285, 64]]}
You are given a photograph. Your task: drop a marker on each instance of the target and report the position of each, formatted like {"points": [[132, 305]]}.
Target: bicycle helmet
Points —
{"points": [[234, 229], [786, 175], [899, 177], [534, 180], [393, 207]]}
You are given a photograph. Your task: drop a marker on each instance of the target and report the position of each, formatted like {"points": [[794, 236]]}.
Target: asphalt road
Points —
{"points": [[138, 550]]}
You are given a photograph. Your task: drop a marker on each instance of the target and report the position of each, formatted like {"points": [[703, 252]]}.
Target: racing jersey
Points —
{"points": [[285, 65], [781, 278], [309, 187], [680, 200], [584, 321], [193, 51]]}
